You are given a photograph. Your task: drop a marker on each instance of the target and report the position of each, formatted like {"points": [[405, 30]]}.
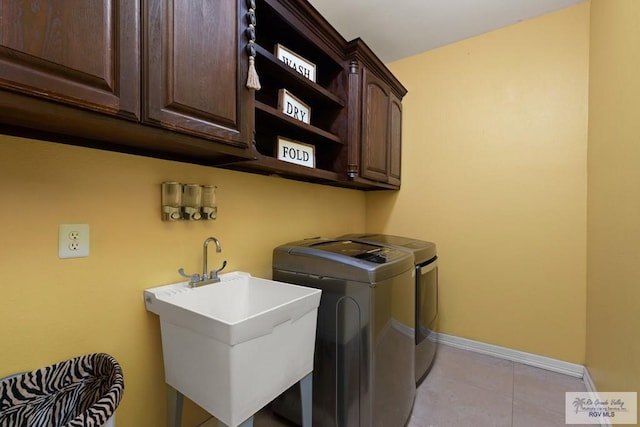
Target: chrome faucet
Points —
{"points": [[207, 277], [214, 273]]}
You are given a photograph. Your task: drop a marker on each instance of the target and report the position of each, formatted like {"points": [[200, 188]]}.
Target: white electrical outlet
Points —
{"points": [[73, 241]]}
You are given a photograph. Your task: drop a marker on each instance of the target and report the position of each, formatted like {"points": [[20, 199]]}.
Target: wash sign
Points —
{"points": [[296, 152], [296, 62]]}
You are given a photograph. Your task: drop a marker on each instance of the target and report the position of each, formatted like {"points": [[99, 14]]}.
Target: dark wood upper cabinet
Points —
{"points": [[395, 140], [195, 69], [71, 72], [375, 141], [80, 52], [167, 79], [374, 149]]}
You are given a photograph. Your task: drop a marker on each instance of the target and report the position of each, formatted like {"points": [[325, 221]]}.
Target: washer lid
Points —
{"points": [[344, 259], [422, 250]]}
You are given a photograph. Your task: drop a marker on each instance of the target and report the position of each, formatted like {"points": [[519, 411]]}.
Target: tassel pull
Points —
{"points": [[253, 82]]}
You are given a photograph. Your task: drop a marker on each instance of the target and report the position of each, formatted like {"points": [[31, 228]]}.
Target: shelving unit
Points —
{"points": [[298, 27], [290, 125], [274, 69]]}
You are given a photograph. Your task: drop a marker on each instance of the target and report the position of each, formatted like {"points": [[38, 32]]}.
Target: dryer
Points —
{"points": [[426, 289]]}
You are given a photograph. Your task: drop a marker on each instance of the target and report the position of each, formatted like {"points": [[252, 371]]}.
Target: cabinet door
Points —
{"points": [[195, 68], [395, 140], [375, 128], [80, 52]]}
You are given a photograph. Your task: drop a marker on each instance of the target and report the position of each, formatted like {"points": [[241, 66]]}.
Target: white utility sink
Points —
{"points": [[234, 346]]}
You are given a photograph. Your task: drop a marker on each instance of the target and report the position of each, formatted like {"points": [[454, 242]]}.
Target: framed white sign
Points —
{"points": [[293, 107], [296, 152], [295, 61]]}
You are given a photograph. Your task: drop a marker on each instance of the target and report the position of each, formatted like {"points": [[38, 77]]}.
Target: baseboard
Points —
{"points": [[591, 388], [588, 382], [554, 365]]}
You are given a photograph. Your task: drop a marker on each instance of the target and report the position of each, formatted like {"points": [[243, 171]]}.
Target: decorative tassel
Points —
{"points": [[253, 82]]}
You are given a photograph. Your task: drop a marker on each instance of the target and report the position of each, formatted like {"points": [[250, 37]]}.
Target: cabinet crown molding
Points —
{"points": [[357, 50]]}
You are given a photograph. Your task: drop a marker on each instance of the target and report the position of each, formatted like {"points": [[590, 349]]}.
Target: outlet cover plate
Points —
{"points": [[73, 241]]}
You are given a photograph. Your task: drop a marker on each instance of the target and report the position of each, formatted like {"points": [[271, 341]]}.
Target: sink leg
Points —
{"points": [[174, 407], [247, 423], [306, 395]]}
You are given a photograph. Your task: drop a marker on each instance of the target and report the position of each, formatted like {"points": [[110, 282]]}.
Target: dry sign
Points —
{"points": [[296, 152], [293, 107]]}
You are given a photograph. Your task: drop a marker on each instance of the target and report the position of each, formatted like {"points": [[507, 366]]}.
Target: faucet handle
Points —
{"points": [[193, 278], [214, 273]]}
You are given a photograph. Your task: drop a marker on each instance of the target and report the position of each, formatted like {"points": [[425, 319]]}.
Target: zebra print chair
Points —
{"points": [[81, 392]]}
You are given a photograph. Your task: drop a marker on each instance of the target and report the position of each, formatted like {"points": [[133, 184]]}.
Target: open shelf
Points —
{"points": [[296, 26], [291, 125], [271, 166], [277, 70]]}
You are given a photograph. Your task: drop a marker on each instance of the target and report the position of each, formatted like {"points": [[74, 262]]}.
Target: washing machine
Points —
{"points": [[426, 288], [364, 356]]}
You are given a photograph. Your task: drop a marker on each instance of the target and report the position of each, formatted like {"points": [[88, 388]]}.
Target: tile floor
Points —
{"points": [[470, 389]]}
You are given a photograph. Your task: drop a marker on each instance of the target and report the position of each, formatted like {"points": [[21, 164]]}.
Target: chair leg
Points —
{"points": [[306, 397], [174, 407]]}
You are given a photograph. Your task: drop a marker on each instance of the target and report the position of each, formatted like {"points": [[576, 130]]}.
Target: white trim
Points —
{"points": [[555, 365], [402, 328], [591, 388], [588, 382]]}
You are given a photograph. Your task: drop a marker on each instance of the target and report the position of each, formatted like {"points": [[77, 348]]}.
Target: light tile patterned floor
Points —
{"points": [[466, 389]]}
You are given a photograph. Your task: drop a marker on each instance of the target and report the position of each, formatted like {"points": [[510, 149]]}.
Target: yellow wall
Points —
{"points": [[53, 309], [494, 172], [613, 290]]}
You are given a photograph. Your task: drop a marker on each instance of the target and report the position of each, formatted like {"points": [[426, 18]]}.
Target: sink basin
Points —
{"points": [[234, 346]]}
